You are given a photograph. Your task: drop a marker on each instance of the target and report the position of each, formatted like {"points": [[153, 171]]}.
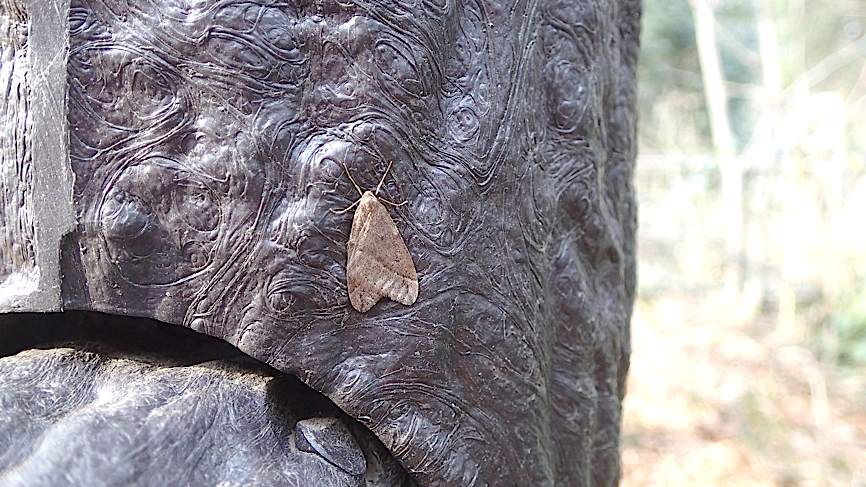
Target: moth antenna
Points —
{"points": [[344, 210], [395, 205], [357, 188], [379, 186]]}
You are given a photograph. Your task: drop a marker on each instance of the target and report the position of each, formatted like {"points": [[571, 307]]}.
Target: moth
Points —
{"points": [[378, 263]]}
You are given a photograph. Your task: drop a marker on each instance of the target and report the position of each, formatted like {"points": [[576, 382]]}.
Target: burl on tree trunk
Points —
{"points": [[183, 160]]}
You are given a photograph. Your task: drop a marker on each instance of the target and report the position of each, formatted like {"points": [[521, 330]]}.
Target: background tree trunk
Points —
{"points": [[730, 166]]}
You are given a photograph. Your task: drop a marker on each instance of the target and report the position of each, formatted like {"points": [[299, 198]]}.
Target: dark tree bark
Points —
{"points": [[182, 163]]}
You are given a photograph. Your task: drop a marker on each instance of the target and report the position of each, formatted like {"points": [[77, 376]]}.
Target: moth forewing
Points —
{"points": [[378, 262]]}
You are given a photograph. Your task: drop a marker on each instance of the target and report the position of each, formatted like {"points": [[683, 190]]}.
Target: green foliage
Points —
{"points": [[668, 40], [849, 323], [669, 72]]}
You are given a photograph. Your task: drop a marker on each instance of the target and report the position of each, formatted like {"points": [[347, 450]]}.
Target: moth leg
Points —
{"points": [[379, 186], [357, 188], [395, 205], [344, 210]]}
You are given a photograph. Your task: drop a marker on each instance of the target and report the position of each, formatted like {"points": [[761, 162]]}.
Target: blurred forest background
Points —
{"points": [[749, 334]]}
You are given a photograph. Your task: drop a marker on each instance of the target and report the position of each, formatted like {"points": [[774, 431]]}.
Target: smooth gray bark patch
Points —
{"points": [[43, 191], [330, 438]]}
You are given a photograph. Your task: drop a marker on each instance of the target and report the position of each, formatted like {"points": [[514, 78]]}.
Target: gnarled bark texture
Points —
{"points": [[153, 405], [200, 146]]}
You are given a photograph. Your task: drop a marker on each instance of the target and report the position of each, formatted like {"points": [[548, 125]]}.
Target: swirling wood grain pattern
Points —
{"points": [[207, 138]]}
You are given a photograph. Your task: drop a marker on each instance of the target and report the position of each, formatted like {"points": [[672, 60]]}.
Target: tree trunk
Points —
{"points": [[210, 141], [730, 166]]}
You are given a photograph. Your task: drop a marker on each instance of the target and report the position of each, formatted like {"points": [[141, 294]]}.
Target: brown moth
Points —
{"points": [[378, 262]]}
